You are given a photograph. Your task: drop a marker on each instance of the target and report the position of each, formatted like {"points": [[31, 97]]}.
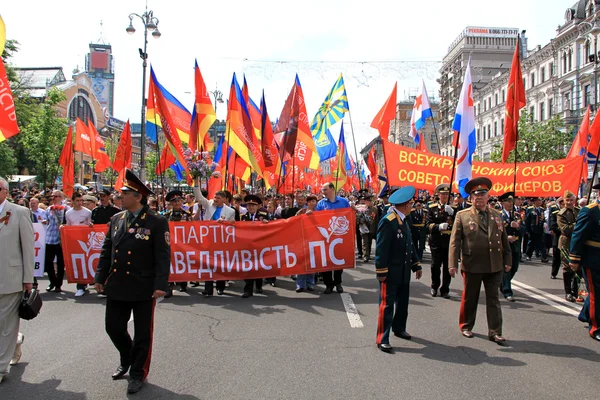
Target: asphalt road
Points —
{"points": [[285, 345]]}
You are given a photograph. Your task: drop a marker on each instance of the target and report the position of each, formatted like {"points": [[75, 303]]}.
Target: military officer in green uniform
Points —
{"points": [[133, 271], [176, 214], [512, 225], [440, 217], [253, 214], [395, 258], [566, 219], [584, 254]]}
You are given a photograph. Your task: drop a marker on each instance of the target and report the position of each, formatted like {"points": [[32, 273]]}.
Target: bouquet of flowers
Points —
{"points": [[200, 165], [363, 218]]}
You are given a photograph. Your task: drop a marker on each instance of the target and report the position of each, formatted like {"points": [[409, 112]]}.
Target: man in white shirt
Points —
{"points": [[40, 215], [79, 215]]}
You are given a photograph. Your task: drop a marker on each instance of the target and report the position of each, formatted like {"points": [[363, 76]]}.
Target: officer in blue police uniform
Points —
{"points": [[584, 254], [395, 258], [512, 225], [418, 229], [133, 271]]}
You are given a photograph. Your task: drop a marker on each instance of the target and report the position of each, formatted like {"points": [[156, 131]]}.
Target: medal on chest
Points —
{"points": [[399, 234]]}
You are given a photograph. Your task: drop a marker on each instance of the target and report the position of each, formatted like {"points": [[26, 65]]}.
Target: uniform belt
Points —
{"points": [[516, 237], [592, 243], [446, 232], [419, 225]]}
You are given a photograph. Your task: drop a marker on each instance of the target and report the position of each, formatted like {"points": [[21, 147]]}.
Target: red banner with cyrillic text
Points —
{"points": [[406, 166], [206, 250]]}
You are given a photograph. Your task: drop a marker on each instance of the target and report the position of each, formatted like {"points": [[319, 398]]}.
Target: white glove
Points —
{"points": [[514, 224], [443, 226], [449, 210]]}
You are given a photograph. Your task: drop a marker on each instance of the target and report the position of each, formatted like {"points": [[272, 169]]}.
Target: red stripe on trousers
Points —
{"points": [[592, 294], [380, 319], [149, 357], [461, 316]]}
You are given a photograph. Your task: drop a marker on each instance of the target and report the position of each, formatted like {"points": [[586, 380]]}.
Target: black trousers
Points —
{"points": [[208, 286], [250, 283], [555, 260], [419, 242], [537, 243], [136, 352], [332, 278], [359, 245], [571, 281], [393, 310], [439, 266], [470, 298], [55, 277]]}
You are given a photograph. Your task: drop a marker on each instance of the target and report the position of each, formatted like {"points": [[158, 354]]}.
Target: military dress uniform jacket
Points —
{"points": [[535, 220], [395, 255], [178, 216], [135, 261], [507, 218], [478, 249], [566, 219], [554, 225], [585, 240], [418, 220], [259, 216], [436, 216]]}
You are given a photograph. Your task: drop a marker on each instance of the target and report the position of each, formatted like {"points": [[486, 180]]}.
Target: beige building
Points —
{"points": [[400, 126]]}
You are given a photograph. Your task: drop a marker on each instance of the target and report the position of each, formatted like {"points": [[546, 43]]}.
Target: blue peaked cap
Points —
{"points": [[402, 195]]}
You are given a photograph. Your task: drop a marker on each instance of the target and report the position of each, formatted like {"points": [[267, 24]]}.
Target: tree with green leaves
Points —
{"points": [[538, 141], [7, 161], [44, 138]]}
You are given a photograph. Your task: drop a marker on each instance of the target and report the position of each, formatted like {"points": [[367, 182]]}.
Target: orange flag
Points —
{"points": [[67, 161], [8, 117], [385, 115], [581, 140], [83, 144], [166, 160], [100, 155], [123, 156], [515, 100], [203, 115], [594, 144]]}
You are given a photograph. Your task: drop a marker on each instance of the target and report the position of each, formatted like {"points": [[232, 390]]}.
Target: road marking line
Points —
{"points": [[547, 301], [157, 301], [559, 300], [351, 311]]}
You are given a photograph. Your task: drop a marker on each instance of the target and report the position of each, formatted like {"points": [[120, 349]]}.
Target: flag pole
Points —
{"points": [[337, 174], [360, 181], [454, 161], [162, 182], [593, 177], [227, 158], [516, 155], [437, 139]]}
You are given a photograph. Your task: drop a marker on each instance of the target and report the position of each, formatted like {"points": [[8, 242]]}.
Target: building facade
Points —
{"points": [[400, 126]]}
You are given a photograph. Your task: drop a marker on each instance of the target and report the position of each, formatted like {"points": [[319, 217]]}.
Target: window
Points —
{"points": [[564, 63], [496, 99], [484, 105], [495, 128], [490, 102], [531, 113], [502, 126], [570, 60], [552, 72], [503, 95], [542, 111], [588, 95], [525, 83], [479, 108], [586, 52], [532, 79], [543, 75], [567, 104], [550, 107]]}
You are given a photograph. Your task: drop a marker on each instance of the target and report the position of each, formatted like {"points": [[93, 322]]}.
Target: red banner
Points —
{"points": [[406, 166], [205, 250]]}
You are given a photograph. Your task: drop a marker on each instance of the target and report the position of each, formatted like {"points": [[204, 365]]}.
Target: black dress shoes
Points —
{"points": [[433, 292], [169, 293], [328, 290], [446, 295], [120, 372], [206, 294], [49, 288], [259, 291], [385, 347], [467, 334], [403, 335], [339, 288], [134, 386], [58, 289], [497, 339], [596, 337], [570, 298], [220, 292], [246, 295]]}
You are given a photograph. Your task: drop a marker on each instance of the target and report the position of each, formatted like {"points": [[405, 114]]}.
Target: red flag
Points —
{"points": [[123, 154], [67, 161], [385, 115], [581, 139], [83, 143], [372, 165], [203, 115], [166, 160], [8, 117], [594, 144], [515, 100], [102, 159]]}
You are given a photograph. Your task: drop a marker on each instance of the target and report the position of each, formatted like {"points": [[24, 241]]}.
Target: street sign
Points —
{"points": [[114, 123]]}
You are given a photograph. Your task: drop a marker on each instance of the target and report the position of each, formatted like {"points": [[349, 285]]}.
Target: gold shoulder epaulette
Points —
{"points": [[592, 205], [530, 207], [390, 216], [558, 211], [433, 205]]}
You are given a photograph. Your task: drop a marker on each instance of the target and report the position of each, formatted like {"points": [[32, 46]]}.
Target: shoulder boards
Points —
{"points": [[577, 208], [433, 205], [592, 205], [390, 216], [530, 207], [558, 211]]}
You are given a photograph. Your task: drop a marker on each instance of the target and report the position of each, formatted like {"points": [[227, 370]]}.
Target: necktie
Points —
{"points": [[130, 219]]}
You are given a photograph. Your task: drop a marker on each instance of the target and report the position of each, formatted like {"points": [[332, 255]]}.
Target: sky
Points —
{"points": [[374, 44]]}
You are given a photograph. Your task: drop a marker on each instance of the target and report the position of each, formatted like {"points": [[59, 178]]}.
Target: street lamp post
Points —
{"points": [[218, 98], [150, 24]]}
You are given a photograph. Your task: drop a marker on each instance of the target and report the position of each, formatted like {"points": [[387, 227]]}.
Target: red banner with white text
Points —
{"points": [[406, 166], [206, 250]]}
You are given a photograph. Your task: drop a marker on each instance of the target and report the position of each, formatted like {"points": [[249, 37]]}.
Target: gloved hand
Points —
{"points": [[514, 224], [443, 226], [449, 210]]}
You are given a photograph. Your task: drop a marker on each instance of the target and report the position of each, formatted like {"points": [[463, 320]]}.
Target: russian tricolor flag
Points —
{"points": [[464, 131], [421, 111]]}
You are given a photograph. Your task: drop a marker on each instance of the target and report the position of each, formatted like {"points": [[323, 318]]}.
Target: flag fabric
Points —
{"points": [[166, 160], [594, 142], [580, 144], [203, 115], [123, 154], [340, 167], [372, 165], [180, 115], [163, 109], [385, 115], [178, 169], [270, 151], [83, 144], [67, 161], [420, 112], [240, 130], [2, 35], [8, 116], [464, 132], [253, 110], [331, 111], [100, 155], [515, 100], [218, 183]]}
